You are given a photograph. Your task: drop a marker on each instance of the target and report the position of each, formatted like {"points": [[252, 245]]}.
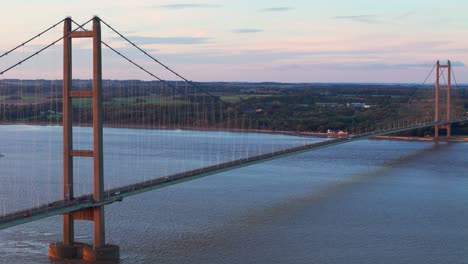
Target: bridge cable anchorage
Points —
{"points": [[31, 39], [44, 48], [217, 98]]}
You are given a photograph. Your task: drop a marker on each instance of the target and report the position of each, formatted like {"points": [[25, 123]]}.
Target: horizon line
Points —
{"points": [[240, 82]]}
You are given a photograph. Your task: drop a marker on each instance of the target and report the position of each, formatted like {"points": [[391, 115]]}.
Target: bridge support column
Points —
{"points": [[436, 101], [69, 249], [448, 107], [448, 127], [66, 249]]}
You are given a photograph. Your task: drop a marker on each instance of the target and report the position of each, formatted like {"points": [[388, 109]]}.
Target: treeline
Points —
{"points": [[190, 115], [334, 107], [273, 106]]}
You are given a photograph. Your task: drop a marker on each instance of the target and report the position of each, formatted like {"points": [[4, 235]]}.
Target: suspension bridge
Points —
{"points": [[155, 108]]}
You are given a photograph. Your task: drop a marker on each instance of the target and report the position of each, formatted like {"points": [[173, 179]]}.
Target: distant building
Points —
{"points": [[339, 133], [50, 112], [360, 105], [342, 133]]}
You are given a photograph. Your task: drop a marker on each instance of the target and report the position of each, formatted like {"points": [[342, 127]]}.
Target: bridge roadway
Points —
{"points": [[117, 194]]}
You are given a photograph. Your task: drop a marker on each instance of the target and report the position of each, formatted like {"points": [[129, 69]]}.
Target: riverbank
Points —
{"points": [[154, 127], [444, 139], [235, 130]]}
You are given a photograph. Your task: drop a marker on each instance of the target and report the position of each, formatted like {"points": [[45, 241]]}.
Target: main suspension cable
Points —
{"points": [[44, 48], [166, 67], [134, 63], [454, 77], [193, 84], [157, 61], [31, 39]]}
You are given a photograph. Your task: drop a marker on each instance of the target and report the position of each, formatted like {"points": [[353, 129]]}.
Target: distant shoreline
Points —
{"points": [[149, 127], [456, 138]]}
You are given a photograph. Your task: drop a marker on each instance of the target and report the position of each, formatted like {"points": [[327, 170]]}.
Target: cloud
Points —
{"points": [[371, 19], [457, 64], [379, 66], [397, 66], [276, 9], [188, 6], [142, 40], [227, 58], [288, 67], [247, 30], [406, 15], [384, 66], [128, 51], [454, 50]]}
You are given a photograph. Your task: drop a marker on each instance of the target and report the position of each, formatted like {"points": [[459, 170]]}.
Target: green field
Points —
{"points": [[237, 98], [87, 102], [82, 102], [163, 100], [124, 100], [147, 100]]}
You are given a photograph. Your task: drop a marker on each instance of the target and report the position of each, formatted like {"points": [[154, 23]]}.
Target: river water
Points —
{"points": [[371, 201]]}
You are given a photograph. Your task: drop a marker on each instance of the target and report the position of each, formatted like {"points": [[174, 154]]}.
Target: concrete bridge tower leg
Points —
{"points": [[436, 101], [448, 87], [448, 106]]}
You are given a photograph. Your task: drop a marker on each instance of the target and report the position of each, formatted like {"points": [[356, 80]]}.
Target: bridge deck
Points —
{"points": [[117, 194]]}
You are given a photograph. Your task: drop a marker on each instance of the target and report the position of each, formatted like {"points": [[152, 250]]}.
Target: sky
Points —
{"points": [[370, 41]]}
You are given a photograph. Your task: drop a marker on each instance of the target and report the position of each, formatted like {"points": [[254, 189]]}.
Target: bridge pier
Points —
{"points": [[106, 253], [59, 250], [90, 253], [98, 252], [69, 249]]}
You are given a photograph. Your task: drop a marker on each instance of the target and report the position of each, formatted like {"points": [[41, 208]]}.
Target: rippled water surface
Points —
{"points": [[362, 202]]}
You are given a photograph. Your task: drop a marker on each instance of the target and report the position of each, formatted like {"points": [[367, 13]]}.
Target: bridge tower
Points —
{"points": [[69, 249], [448, 87]]}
